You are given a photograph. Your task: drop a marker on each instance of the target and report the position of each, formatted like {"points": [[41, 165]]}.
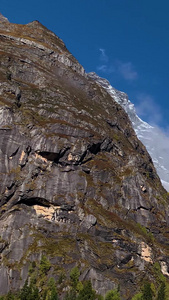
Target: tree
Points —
{"points": [[10, 296], [74, 276], [137, 296], [112, 295], [166, 290], [35, 294], [44, 265], [87, 293], [29, 292], [100, 297], [25, 291], [52, 292], [161, 293], [147, 293], [71, 295]]}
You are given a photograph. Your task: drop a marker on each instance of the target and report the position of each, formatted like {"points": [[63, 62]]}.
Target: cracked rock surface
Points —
{"points": [[76, 183]]}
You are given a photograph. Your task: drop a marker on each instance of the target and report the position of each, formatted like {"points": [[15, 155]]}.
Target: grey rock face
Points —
{"points": [[156, 142], [75, 180]]}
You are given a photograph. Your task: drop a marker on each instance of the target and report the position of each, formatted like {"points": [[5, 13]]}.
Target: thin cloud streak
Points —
{"points": [[102, 68], [103, 56], [106, 69]]}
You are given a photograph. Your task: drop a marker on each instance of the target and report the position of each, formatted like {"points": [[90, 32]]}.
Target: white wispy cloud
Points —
{"points": [[107, 69], [102, 68], [148, 109], [125, 70]]}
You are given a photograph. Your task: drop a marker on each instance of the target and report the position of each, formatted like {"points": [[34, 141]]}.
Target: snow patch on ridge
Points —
{"points": [[155, 141]]}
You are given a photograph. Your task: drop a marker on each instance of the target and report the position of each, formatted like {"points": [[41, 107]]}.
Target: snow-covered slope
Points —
{"points": [[155, 141]]}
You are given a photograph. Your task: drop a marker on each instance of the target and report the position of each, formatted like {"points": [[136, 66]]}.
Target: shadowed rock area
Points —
{"points": [[76, 183]]}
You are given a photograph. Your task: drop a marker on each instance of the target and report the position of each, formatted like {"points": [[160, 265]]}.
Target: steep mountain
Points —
{"points": [[155, 142], [76, 183]]}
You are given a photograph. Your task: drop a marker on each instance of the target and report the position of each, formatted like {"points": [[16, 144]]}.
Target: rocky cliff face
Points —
{"points": [[76, 183], [155, 141]]}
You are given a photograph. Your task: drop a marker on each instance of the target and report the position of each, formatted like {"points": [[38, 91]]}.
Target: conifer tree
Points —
{"points": [[147, 292], [87, 293], [112, 295], [44, 265], [52, 290], [161, 293], [74, 276]]}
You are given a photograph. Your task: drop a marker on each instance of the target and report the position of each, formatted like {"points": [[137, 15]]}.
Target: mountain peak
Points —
{"points": [[75, 180], [3, 19]]}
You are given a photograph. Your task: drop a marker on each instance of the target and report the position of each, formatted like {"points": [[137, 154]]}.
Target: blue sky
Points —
{"points": [[125, 41]]}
